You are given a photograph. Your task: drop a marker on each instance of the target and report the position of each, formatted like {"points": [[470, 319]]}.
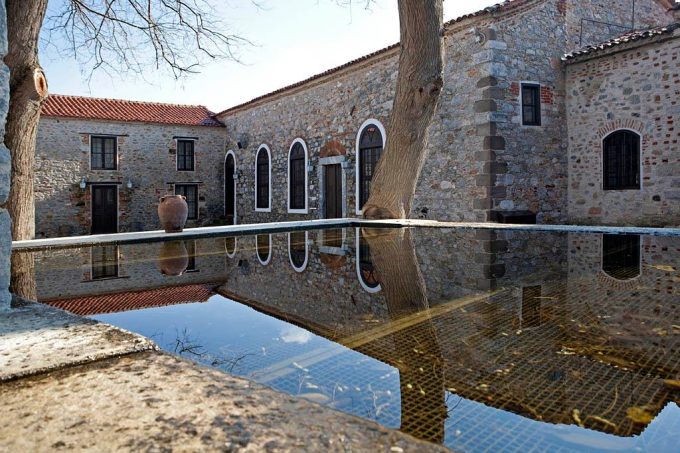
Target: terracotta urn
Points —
{"points": [[173, 212], [173, 258]]}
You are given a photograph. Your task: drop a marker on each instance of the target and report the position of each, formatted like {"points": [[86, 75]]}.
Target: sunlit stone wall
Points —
{"points": [[5, 168]]}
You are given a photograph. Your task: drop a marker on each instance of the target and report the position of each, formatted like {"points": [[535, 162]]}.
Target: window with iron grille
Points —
{"points": [[185, 155], [621, 161], [621, 255], [190, 192], [104, 262], [103, 154], [297, 177], [531, 104], [262, 179], [370, 150]]}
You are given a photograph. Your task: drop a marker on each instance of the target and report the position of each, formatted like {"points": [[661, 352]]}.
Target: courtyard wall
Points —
{"points": [[5, 170]]}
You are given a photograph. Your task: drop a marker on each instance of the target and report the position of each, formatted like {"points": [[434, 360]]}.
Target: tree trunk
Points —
{"points": [[419, 83], [28, 90]]}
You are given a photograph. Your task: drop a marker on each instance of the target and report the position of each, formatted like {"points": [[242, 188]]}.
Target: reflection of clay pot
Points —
{"points": [[173, 212], [173, 259]]}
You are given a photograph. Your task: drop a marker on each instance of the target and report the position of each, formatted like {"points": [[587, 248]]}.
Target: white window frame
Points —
{"points": [[363, 126], [224, 164], [368, 289], [305, 210], [269, 156], [233, 254], [177, 140], [271, 252], [290, 256]]}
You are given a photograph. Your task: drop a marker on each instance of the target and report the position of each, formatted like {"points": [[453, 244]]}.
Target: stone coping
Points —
{"points": [[275, 227]]}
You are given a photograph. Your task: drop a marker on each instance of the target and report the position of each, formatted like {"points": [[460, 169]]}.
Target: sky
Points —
{"points": [[292, 40]]}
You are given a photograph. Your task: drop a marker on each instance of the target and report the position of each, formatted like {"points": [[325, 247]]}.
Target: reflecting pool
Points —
{"points": [[481, 340]]}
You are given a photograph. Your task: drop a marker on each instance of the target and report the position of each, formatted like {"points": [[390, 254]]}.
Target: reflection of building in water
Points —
{"points": [[104, 262], [621, 256]]}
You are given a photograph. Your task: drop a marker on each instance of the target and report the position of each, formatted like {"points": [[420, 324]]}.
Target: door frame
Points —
{"points": [[333, 160], [224, 169], [92, 186]]}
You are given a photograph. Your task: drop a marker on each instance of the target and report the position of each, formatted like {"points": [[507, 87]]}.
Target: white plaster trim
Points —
{"points": [[117, 205], [306, 208], [233, 254], [269, 155], [521, 106], [269, 257], [233, 181], [381, 128], [611, 277], [321, 174], [601, 159], [368, 289], [290, 257], [332, 160], [193, 157]]}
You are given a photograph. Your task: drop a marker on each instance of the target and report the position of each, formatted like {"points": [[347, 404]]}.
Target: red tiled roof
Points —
{"points": [[58, 105], [632, 36], [134, 300]]}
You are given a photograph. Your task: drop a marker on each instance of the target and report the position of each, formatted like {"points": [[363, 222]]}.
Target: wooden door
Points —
{"points": [[333, 191], [229, 190], [104, 209]]}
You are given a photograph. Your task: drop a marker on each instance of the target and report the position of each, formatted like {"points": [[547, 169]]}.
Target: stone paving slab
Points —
{"points": [[154, 401], [35, 338]]}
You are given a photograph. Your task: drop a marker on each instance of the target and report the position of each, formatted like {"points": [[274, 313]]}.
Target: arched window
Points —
{"points": [[370, 143], [230, 188], [263, 184], [297, 250], [297, 177], [621, 256], [621, 161], [230, 246], [365, 269], [263, 246]]}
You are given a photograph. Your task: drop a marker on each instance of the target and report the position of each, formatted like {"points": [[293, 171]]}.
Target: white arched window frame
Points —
{"points": [[290, 255], [266, 261], [226, 156], [368, 289], [262, 148], [357, 166], [226, 248], [305, 210]]}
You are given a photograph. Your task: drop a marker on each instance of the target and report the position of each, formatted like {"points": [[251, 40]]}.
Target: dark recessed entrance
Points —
{"points": [[333, 191], [104, 209]]}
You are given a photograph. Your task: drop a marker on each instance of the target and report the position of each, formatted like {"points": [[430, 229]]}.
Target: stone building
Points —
{"points": [[5, 170], [512, 138]]}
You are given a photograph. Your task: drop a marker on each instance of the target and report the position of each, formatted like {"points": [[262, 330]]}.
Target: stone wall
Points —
{"points": [[5, 170], [634, 88], [146, 158]]}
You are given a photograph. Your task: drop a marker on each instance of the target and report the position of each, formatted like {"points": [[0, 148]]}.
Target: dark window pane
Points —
{"points": [[190, 192], [621, 256], [185, 155], [621, 161], [298, 248], [103, 153], [104, 262], [263, 248], [191, 252], [367, 272], [297, 177], [370, 150], [262, 174], [531, 105]]}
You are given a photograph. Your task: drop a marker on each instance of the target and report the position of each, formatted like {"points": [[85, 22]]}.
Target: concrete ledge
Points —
{"points": [[260, 228]]}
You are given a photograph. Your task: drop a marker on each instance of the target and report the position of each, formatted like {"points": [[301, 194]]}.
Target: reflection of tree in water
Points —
{"points": [[22, 281], [419, 356]]}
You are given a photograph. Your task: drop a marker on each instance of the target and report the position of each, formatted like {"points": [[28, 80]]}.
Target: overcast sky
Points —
{"points": [[294, 39]]}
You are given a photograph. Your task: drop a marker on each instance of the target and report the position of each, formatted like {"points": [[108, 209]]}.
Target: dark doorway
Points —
{"points": [[104, 209], [230, 190], [333, 191]]}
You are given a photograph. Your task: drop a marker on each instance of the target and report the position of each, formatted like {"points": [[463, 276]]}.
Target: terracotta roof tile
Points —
{"points": [[58, 105], [632, 36], [133, 300]]}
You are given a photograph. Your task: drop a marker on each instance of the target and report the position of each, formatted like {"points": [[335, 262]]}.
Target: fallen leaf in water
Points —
{"points": [[674, 384], [639, 415], [576, 415], [663, 267], [316, 397]]}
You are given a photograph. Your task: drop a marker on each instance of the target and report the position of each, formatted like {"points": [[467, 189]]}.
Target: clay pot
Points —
{"points": [[173, 258], [173, 212]]}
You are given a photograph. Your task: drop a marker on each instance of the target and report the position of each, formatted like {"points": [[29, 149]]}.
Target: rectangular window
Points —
{"points": [[185, 155], [190, 192], [103, 154], [531, 104], [104, 262], [191, 251]]}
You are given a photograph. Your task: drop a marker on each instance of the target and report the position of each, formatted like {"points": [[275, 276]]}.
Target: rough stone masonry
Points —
{"points": [[5, 168]]}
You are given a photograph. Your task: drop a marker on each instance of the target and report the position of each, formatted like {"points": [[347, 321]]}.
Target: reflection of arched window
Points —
{"points": [[297, 250], [621, 255], [365, 269], [297, 177], [264, 248], [230, 246], [621, 161], [263, 179], [370, 144]]}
